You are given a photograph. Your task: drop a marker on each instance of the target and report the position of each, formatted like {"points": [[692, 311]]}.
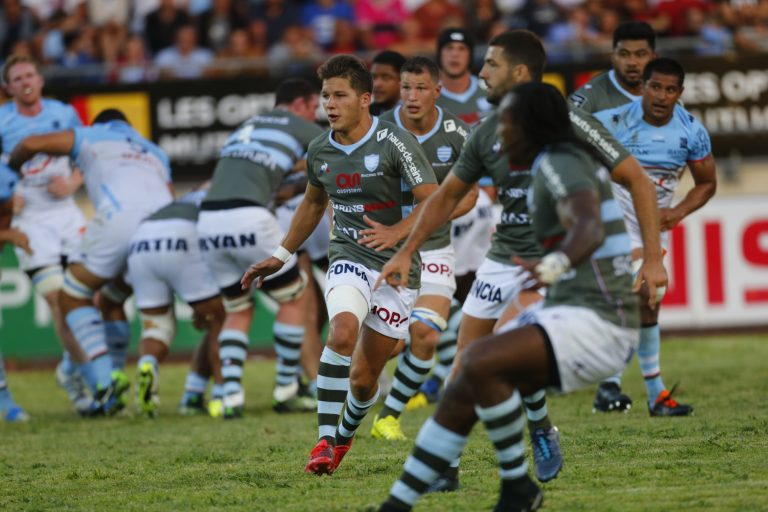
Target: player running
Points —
{"points": [[665, 138], [359, 165], [441, 135], [49, 216], [127, 178], [236, 228], [586, 328]]}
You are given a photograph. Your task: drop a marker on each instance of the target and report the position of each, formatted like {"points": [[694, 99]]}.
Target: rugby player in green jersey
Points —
{"points": [[441, 135], [512, 58], [358, 167], [585, 329]]}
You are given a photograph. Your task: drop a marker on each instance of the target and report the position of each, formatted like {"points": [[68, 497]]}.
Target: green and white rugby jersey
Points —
{"points": [[482, 156], [257, 155], [470, 106], [442, 145], [364, 179], [603, 92], [602, 282]]}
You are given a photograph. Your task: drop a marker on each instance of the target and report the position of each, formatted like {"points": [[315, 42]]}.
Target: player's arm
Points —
{"points": [[467, 202], [305, 220], [704, 186], [57, 143]]}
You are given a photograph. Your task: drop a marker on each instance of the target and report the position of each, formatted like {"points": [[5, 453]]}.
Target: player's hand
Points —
{"points": [[533, 282], [19, 239], [669, 218], [58, 186], [258, 271], [654, 275], [380, 236], [395, 271]]}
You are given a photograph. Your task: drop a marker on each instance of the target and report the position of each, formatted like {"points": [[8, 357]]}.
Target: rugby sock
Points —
{"points": [[288, 339], [332, 388], [411, 372], [354, 414], [217, 391], [68, 367], [6, 400], [233, 350], [88, 329], [648, 355], [118, 339], [616, 379], [536, 411], [504, 423], [195, 384], [446, 346], [147, 359], [436, 447]]}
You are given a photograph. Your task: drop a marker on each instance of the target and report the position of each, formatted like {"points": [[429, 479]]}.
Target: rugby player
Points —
{"points": [[358, 166], [586, 328], [665, 138], [127, 178]]}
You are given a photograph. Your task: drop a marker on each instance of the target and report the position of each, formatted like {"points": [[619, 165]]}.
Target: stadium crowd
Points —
{"points": [[132, 41]]}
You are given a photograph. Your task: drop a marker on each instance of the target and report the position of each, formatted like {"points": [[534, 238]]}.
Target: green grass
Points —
{"points": [[716, 460]]}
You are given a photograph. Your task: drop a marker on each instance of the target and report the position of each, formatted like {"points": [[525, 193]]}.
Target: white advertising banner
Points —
{"points": [[718, 267]]}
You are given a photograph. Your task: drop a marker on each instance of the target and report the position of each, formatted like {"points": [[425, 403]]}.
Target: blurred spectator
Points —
{"points": [[714, 37], [482, 17], [321, 15], [672, 12], [435, 15], [542, 15], [241, 56], [17, 23], [185, 59], [385, 71], [607, 22], [752, 32], [102, 12], [134, 64], [345, 39], [110, 38], [379, 21], [160, 25], [411, 43], [79, 49], [44, 9], [576, 30], [274, 16], [297, 44], [215, 24]]}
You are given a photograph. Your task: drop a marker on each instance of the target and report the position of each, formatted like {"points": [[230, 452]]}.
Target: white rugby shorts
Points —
{"points": [[471, 235], [51, 235], [495, 286], [437, 272], [586, 347], [388, 308], [165, 257], [231, 240]]}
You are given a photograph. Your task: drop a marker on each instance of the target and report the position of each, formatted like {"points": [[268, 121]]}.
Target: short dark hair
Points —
{"points": [[293, 88], [523, 47], [541, 113], [422, 65], [634, 31], [109, 114], [349, 67], [664, 66], [390, 58]]}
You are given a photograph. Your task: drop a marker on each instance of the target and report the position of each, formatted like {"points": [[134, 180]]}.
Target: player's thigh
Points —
{"points": [[107, 242], [44, 240]]}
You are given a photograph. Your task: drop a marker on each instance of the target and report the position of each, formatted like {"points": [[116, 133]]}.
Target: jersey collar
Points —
{"points": [[421, 138], [350, 148], [622, 90], [464, 96]]}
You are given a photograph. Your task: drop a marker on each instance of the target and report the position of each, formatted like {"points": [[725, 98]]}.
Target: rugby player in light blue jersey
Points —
{"points": [[665, 138]]}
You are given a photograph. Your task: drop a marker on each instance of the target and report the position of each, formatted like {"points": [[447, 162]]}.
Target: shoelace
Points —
{"points": [[542, 445], [668, 400]]}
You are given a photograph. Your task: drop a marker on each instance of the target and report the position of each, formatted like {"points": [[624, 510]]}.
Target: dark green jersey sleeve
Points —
{"points": [[412, 163], [563, 174], [470, 166], [311, 152], [591, 131]]}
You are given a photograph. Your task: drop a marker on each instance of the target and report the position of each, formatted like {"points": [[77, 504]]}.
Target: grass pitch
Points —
{"points": [[715, 460]]}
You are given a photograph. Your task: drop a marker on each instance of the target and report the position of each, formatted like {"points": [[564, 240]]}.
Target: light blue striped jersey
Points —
{"points": [[121, 168], [602, 282]]}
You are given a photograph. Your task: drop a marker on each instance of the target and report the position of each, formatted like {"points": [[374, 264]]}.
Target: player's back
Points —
{"points": [[257, 155], [120, 167], [602, 92]]}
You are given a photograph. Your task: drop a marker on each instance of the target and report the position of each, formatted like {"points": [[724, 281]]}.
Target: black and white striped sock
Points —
{"points": [[332, 388]]}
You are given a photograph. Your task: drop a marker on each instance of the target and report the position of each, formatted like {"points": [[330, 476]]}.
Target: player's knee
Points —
{"points": [[237, 304], [287, 287], [423, 336], [426, 326], [342, 334], [472, 369], [160, 327], [76, 289], [48, 280]]}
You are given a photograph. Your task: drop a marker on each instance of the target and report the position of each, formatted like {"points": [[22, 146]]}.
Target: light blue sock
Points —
{"points": [[648, 355], [149, 358], [217, 391], [616, 379], [118, 339], [233, 351], [6, 400], [88, 328], [195, 383], [288, 340], [67, 365]]}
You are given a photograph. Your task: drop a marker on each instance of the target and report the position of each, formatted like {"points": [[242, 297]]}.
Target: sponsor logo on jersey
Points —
{"points": [[577, 99], [437, 268], [381, 135], [324, 168], [444, 153], [338, 269], [496, 147], [449, 126], [347, 181], [486, 291], [392, 318], [683, 142], [361, 208], [227, 241], [159, 244], [514, 193], [593, 135], [407, 156], [371, 162]]}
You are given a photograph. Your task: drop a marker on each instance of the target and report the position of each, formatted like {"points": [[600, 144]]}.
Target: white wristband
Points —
{"points": [[552, 266], [282, 254]]}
